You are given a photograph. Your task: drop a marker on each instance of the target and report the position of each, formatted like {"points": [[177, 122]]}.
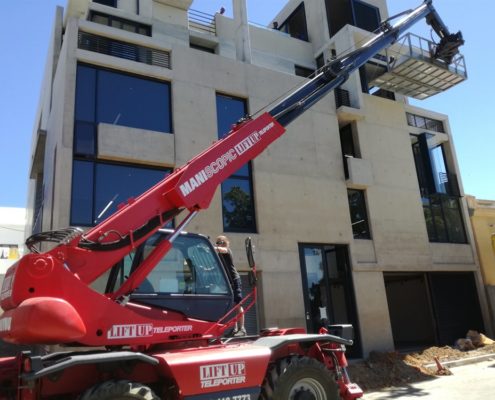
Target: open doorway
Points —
{"points": [[328, 289]]}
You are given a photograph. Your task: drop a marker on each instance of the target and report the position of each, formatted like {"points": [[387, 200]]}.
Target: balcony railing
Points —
{"points": [[342, 98], [128, 51], [202, 22]]}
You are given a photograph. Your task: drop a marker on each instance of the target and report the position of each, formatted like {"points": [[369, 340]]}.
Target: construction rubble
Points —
{"points": [[387, 369]]}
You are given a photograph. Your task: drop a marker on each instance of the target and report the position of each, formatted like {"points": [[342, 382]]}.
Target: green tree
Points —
{"points": [[237, 208]]}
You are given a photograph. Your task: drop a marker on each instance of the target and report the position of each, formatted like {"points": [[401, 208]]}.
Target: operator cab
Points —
{"points": [[190, 278]]}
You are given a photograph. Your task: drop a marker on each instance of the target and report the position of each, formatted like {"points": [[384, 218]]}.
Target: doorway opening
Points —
{"points": [[328, 289]]}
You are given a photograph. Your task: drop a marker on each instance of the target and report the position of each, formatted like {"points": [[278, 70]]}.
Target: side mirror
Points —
{"points": [[249, 252], [250, 258]]}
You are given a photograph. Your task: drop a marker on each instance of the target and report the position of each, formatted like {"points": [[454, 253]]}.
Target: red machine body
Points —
{"points": [[160, 343]]}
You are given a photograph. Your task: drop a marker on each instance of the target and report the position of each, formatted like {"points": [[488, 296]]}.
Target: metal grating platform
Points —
{"points": [[411, 70]]}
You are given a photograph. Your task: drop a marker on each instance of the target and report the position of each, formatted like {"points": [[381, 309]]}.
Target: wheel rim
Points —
{"points": [[307, 389]]}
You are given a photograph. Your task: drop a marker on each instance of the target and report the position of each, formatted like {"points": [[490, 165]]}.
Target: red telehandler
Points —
{"points": [[150, 306]]}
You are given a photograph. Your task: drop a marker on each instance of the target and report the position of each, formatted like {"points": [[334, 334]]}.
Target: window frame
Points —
{"points": [[371, 7], [93, 163], [247, 176], [434, 125], [284, 26], [444, 230], [111, 18], [363, 205], [82, 120], [304, 72], [104, 3]]}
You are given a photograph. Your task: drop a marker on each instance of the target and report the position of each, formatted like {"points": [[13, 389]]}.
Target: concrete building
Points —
{"points": [[12, 226], [482, 213], [357, 213]]}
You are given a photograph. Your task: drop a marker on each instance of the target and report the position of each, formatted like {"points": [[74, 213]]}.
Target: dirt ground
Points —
{"points": [[382, 370]]}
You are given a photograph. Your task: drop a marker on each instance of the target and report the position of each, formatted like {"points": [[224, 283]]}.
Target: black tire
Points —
{"points": [[116, 390], [299, 378]]}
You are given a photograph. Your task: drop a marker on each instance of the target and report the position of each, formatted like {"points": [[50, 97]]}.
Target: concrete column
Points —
{"points": [[242, 41]]}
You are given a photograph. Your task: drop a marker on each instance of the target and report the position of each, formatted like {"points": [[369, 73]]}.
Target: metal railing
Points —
{"points": [[411, 45], [202, 22], [128, 51], [342, 97]]}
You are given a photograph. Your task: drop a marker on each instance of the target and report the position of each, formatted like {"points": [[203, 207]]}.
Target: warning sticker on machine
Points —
{"points": [[222, 374]]}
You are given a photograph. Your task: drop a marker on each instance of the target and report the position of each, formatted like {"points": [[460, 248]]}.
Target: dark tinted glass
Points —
{"points": [[320, 61], [237, 204], [97, 188], [295, 25], [110, 3], [438, 220], [366, 16], [346, 141], [84, 138], [237, 191], [115, 184], [359, 217], [302, 71], [82, 193], [130, 101], [229, 111], [453, 220], [85, 93]]}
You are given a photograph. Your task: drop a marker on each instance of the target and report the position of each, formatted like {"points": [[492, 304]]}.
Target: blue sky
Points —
{"points": [[25, 33]]}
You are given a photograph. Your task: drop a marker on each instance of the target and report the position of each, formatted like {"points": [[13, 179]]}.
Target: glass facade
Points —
{"points": [[99, 187], [104, 96], [237, 190], [440, 193], [443, 218]]}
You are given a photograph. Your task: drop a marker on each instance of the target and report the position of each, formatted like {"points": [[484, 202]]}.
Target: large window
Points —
{"points": [[237, 190], [118, 99], [359, 215], [443, 219], [419, 121], [353, 12], [439, 191], [365, 15], [98, 188], [296, 25]]}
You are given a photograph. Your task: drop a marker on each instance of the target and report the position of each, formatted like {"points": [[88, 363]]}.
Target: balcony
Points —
{"points": [[412, 70], [346, 111], [129, 51], [358, 173]]}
